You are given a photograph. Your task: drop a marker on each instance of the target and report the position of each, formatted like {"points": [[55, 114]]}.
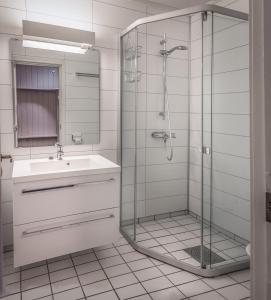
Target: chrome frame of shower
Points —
{"points": [[205, 272]]}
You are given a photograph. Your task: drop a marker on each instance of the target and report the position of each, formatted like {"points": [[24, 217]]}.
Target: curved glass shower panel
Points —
{"points": [[163, 127], [129, 80], [185, 141]]}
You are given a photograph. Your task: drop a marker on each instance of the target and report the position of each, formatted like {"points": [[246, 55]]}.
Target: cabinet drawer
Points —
{"points": [[51, 199], [43, 240]]}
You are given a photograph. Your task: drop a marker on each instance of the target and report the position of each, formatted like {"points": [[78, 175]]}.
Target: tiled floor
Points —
{"points": [[116, 272], [170, 236]]}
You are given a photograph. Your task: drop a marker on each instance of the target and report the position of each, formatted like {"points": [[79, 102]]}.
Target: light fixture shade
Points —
{"points": [[58, 38]]}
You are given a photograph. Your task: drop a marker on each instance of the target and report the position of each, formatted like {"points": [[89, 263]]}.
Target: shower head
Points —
{"points": [[168, 52]]}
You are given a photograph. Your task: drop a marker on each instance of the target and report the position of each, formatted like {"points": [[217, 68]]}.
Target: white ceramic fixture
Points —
{"points": [[64, 206]]}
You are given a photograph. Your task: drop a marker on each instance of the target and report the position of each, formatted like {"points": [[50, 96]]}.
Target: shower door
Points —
{"points": [[225, 140], [129, 80]]}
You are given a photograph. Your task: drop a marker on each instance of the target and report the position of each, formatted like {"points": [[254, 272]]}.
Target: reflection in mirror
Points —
{"points": [[56, 96]]}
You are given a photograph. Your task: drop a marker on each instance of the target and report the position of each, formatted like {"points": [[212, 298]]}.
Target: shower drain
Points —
{"points": [[209, 256]]}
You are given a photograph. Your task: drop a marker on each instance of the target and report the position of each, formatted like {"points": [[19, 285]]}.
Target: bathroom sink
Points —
{"points": [[37, 169], [59, 165]]}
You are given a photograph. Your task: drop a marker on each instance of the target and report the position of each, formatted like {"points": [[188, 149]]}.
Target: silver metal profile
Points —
{"points": [[186, 12]]}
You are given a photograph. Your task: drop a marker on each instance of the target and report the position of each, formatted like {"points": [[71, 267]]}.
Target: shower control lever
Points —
{"points": [[162, 135]]}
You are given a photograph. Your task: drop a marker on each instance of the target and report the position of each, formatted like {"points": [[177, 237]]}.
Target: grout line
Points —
{"points": [[77, 277], [49, 279], [106, 275]]}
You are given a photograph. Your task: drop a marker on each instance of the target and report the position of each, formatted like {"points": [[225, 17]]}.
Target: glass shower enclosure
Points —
{"points": [[185, 152]]}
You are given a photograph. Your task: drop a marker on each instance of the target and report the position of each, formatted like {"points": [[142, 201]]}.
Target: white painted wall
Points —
{"points": [[107, 18]]}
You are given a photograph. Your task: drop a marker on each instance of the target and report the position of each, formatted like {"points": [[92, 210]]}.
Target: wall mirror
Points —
{"points": [[56, 96]]}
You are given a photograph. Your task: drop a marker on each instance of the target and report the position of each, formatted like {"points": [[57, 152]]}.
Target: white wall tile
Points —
{"points": [[6, 96], [5, 72], [11, 20], [113, 16], [79, 10]]}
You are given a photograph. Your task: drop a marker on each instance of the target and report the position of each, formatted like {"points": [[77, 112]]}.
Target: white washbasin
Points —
{"points": [[59, 165], [26, 170]]}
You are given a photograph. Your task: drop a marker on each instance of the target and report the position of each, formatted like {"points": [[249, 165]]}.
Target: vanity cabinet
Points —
{"points": [[62, 215]]}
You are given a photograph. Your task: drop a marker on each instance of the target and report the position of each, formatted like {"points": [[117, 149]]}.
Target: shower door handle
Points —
{"points": [[205, 150]]}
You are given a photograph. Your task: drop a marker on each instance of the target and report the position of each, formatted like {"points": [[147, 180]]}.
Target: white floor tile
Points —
{"points": [[148, 243], [12, 297], [35, 282], [92, 277], [104, 296], [130, 291], [111, 261], [241, 276], [106, 253], [125, 249], [234, 292], [140, 264], [159, 233], [175, 246], [179, 255], [11, 278], [59, 265], [36, 293], [166, 239], [208, 296], [143, 236], [194, 288], [69, 295], [168, 269], [97, 288], [149, 273], [143, 297], [123, 280], [26, 274], [64, 285], [12, 288], [88, 267], [219, 282], [168, 294], [62, 274], [156, 284], [182, 277], [78, 260], [132, 256], [117, 270]]}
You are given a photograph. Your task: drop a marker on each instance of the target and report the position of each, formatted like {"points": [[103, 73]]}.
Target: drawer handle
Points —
{"points": [[95, 182], [66, 226], [26, 191]]}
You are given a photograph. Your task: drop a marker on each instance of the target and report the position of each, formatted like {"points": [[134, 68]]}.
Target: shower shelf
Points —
{"points": [[133, 53], [132, 77]]}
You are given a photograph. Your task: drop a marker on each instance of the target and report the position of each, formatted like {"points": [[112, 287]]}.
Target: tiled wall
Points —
{"points": [[230, 121], [107, 18], [161, 184]]}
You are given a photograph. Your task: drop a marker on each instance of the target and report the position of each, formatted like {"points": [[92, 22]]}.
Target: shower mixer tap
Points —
{"points": [[163, 135]]}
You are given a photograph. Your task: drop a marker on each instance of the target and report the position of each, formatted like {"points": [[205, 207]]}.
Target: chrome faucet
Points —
{"points": [[59, 152]]}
